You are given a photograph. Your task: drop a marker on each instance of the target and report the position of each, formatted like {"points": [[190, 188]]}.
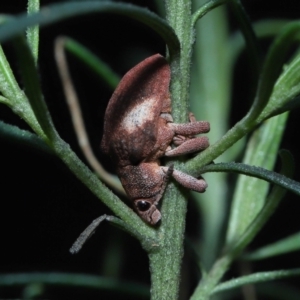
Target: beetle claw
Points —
{"points": [[190, 182]]}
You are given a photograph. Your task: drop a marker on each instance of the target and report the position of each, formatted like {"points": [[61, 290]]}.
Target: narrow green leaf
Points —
{"points": [[285, 91], [75, 280], [14, 97], [57, 12], [257, 172], [210, 100], [32, 33], [276, 195], [205, 8], [246, 27], [272, 67], [32, 87], [92, 61], [22, 137], [250, 192], [8, 84], [255, 278], [283, 246]]}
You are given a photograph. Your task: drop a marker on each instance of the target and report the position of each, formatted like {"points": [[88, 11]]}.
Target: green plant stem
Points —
{"points": [[165, 263], [207, 284], [178, 14]]}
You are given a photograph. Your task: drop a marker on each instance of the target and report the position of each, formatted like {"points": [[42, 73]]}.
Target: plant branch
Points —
{"points": [[138, 228]]}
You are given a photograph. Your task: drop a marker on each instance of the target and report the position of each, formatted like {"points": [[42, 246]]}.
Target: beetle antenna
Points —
{"points": [[165, 182], [86, 234]]}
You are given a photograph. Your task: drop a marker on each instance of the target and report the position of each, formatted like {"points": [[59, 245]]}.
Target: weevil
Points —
{"points": [[139, 130]]}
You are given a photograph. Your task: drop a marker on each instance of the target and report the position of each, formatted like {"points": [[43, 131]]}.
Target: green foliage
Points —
{"points": [[277, 86]]}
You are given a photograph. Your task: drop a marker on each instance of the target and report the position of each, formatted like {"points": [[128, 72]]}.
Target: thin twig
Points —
{"points": [[77, 119]]}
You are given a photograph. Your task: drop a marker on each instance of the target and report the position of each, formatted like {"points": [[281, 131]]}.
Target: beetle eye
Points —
{"points": [[143, 205]]}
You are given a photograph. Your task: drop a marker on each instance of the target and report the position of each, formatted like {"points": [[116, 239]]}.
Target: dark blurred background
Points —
{"points": [[44, 207]]}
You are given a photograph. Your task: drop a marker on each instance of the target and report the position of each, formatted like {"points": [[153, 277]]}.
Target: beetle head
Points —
{"points": [[147, 211]]}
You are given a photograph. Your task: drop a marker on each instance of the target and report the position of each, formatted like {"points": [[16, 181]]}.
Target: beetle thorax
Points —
{"points": [[142, 181]]}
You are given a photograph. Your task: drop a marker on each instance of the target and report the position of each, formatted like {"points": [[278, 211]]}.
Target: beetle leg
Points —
{"points": [[184, 137], [190, 182], [189, 146], [192, 117], [190, 128], [167, 117], [178, 140]]}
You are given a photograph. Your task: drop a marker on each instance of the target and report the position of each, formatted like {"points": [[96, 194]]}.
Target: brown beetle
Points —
{"points": [[139, 129]]}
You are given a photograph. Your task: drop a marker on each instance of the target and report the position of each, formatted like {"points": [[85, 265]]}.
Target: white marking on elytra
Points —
{"points": [[139, 115]]}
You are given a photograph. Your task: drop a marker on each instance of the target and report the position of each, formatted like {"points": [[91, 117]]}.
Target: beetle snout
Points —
{"points": [[147, 211]]}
